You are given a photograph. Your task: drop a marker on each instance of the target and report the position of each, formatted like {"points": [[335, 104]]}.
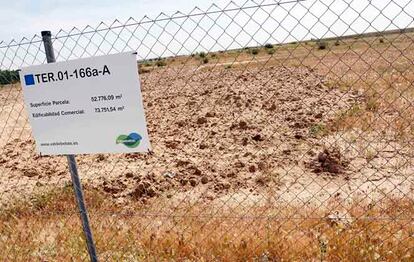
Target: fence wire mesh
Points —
{"points": [[280, 131]]}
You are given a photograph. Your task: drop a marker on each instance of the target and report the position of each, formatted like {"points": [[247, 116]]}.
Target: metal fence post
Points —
{"points": [[50, 56]]}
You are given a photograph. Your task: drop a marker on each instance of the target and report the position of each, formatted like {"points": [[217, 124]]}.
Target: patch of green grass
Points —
{"points": [[354, 111], [318, 130]]}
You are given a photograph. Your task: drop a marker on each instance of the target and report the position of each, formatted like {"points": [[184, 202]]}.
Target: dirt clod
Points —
{"points": [[252, 169], [204, 180], [143, 189], [100, 157], [243, 125], [30, 172], [193, 182], [329, 161], [298, 136], [258, 137], [201, 120]]}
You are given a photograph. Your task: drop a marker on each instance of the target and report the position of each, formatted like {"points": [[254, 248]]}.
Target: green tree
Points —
{"points": [[8, 77]]}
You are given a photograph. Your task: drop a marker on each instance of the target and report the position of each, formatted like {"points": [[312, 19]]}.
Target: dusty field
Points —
{"points": [[324, 130], [251, 130]]}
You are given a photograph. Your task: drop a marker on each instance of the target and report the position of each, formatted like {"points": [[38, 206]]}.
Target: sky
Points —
{"points": [[19, 18]]}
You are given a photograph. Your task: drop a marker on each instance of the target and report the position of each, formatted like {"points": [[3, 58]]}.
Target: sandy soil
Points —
{"points": [[228, 135]]}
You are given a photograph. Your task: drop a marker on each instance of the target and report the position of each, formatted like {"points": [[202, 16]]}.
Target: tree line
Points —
{"points": [[9, 77]]}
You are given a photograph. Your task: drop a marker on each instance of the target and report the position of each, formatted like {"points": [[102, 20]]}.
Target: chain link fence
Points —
{"points": [[280, 131]]}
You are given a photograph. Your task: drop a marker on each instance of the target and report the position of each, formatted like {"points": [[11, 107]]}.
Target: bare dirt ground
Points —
{"points": [[254, 132]]}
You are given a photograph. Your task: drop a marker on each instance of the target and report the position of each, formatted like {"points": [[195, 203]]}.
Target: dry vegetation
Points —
{"points": [[322, 130], [197, 233]]}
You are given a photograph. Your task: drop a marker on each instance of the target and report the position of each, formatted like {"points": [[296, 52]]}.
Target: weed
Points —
{"points": [[268, 45], [270, 51], [355, 110], [370, 155], [205, 60], [161, 63], [268, 178], [254, 51], [144, 70], [318, 130], [323, 247], [372, 104], [321, 45], [202, 54], [147, 63], [354, 116]]}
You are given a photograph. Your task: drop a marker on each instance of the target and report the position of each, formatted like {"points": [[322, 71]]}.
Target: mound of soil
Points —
{"points": [[329, 161], [216, 131]]}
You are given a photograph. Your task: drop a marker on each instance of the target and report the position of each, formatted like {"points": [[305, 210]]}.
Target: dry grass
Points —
{"points": [[48, 229]]}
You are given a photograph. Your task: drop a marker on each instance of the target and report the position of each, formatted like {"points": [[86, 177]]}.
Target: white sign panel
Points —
{"points": [[90, 105]]}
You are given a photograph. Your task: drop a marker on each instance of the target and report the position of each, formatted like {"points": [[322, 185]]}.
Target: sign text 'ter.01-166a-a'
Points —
{"points": [[89, 105]]}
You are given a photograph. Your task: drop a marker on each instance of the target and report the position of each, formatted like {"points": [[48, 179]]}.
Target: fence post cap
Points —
{"points": [[46, 33]]}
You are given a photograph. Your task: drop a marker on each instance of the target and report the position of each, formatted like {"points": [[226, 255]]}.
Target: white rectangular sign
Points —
{"points": [[90, 105]]}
